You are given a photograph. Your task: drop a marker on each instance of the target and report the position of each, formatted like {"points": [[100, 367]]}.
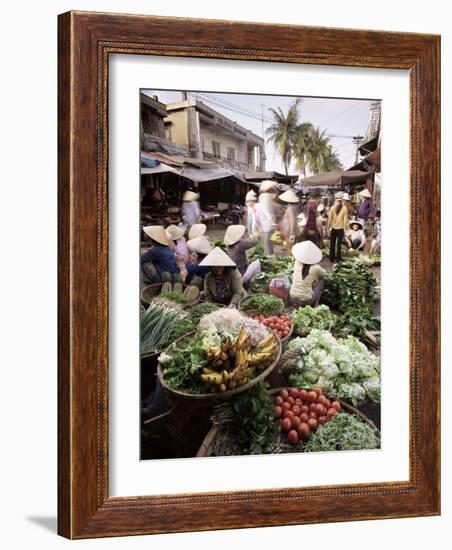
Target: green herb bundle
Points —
{"points": [[307, 318], [263, 303], [344, 432], [156, 324]]}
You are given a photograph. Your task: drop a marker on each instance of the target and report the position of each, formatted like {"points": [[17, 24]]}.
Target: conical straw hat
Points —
{"points": [[352, 222], [320, 207], [365, 193], [251, 196], [197, 230], [307, 253], [200, 245], [175, 232], [190, 196], [157, 233], [346, 196], [339, 195], [266, 185], [289, 196], [233, 234], [217, 258]]}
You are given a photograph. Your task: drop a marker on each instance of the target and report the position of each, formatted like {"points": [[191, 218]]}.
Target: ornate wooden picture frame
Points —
{"points": [[86, 41]]}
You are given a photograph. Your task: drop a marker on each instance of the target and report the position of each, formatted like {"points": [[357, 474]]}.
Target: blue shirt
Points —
{"points": [[163, 259], [196, 269]]}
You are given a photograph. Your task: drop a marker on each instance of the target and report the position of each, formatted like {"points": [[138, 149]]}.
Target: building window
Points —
{"points": [[216, 149], [231, 154]]}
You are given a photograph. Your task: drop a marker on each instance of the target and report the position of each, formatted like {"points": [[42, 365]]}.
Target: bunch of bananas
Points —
{"points": [[232, 363]]}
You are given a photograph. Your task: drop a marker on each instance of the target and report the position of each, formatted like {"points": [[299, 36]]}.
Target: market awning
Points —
{"points": [[276, 176], [159, 168], [335, 178], [201, 175]]}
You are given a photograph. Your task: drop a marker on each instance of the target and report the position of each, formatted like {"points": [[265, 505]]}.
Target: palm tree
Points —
{"points": [[301, 144], [283, 130], [332, 161], [318, 151]]}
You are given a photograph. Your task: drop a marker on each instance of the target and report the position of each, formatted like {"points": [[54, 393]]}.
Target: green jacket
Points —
{"points": [[233, 285]]}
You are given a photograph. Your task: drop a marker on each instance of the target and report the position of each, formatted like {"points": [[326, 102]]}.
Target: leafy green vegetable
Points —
{"points": [[349, 286], [251, 419], [308, 317], [182, 365], [356, 322], [176, 297], [264, 303], [198, 311], [344, 432], [340, 366], [271, 268]]}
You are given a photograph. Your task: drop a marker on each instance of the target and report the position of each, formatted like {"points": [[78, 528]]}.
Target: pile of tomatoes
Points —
{"points": [[279, 325], [301, 411]]}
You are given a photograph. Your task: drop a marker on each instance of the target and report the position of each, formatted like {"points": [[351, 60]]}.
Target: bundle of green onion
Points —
{"points": [[157, 323]]}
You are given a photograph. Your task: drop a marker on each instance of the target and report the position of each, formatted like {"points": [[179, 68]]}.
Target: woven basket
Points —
{"points": [[152, 291], [175, 396]]}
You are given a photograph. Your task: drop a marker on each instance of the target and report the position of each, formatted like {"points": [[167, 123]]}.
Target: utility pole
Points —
{"points": [[184, 95], [262, 119], [357, 141]]}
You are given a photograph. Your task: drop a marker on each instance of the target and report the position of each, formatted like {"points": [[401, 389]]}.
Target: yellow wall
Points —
{"points": [[177, 131]]}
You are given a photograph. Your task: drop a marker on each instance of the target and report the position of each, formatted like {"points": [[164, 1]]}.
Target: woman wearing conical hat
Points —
{"points": [[199, 247], [237, 246], [250, 202], [223, 285], [178, 242], [355, 237], [366, 209], [308, 275], [312, 231], [289, 226], [191, 212], [159, 259]]}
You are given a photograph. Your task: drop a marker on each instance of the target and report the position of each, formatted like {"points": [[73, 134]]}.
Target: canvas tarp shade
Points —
{"points": [[336, 179], [159, 168]]}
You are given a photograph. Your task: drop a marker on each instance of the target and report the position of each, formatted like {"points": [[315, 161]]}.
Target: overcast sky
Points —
{"points": [[338, 117]]}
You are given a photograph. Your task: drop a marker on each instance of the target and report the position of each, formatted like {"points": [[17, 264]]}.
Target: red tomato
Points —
{"points": [[312, 423], [327, 403], [336, 405], [318, 390], [284, 394], [304, 417], [321, 399], [286, 424], [279, 400], [295, 422], [278, 411], [303, 430], [292, 437], [304, 408], [298, 402], [290, 400], [321, 419], [303, 395], [296, 410], [320, 409], [313, 407], [312, 396], [312, 415], [287, 414], [286, 406], [331, 412]]}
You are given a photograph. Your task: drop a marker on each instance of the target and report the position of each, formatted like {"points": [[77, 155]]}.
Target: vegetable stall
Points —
{"points": [[265, 377]]}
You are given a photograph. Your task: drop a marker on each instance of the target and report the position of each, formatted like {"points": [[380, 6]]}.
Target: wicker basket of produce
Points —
{"points": [[188, 370], [177, 294], [295, 421]]}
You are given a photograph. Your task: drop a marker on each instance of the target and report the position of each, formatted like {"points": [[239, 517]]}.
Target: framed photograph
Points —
{"points": [[249, 259]]}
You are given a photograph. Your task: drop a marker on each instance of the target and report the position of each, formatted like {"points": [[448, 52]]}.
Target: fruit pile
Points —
{"points": [[280, 325], [301, 411], [233, 362]]}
